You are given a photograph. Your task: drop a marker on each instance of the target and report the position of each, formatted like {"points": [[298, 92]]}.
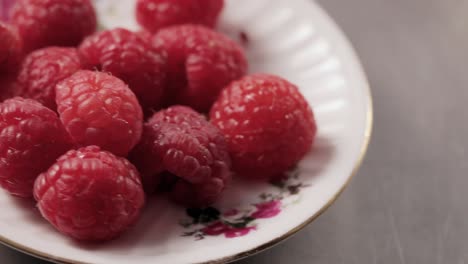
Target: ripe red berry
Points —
{"points": [[130, 57], [8, 87], [31, 139], [10, 50], [267, 123], [43, 23], [181, 149], [5, 6], [201, 63], [90, 194], [154, 15], [43, 69], [99, 109]]}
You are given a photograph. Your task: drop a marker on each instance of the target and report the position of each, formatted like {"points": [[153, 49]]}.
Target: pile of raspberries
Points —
{"points": [[93, 122]]}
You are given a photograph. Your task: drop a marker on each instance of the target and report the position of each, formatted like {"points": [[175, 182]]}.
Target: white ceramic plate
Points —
{"points": [[295, 39]]}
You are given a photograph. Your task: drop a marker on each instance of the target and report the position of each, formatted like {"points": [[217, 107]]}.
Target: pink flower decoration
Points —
{"points": [[238, 232], [267, 209], [5, 6], [218, 228], [215, 229]]}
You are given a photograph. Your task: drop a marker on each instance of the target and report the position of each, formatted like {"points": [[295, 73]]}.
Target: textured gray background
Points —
{"points": [[408, 204]]}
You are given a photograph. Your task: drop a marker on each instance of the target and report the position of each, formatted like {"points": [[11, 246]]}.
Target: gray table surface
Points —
{"points": [[408, 204]]}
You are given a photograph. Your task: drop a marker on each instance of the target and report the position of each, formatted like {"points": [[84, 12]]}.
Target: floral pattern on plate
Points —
{"points": [[241, 221]]}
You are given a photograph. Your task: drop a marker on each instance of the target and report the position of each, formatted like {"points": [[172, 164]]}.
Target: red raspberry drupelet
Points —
{"points": [[90, 194], [267, 123], [99, 109], [130, 57], [43, 69], [181, 151], [154, 15], [201, 63], [31, 139], [43, 23], [10, 50]]}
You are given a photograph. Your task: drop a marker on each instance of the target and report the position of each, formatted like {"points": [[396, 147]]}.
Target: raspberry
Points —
{"points": [[154, 15], [43, 69], [130, 57], [181, 149], [31, 138], [146, 35], [8, 87], [10, 59], [99, 109], [43, 23], [201, 63], [5, 6], [90, 194], [10, 50], [267, 123]]}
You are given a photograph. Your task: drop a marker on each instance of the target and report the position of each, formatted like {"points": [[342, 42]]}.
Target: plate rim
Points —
{"points": [[363, 150]]}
